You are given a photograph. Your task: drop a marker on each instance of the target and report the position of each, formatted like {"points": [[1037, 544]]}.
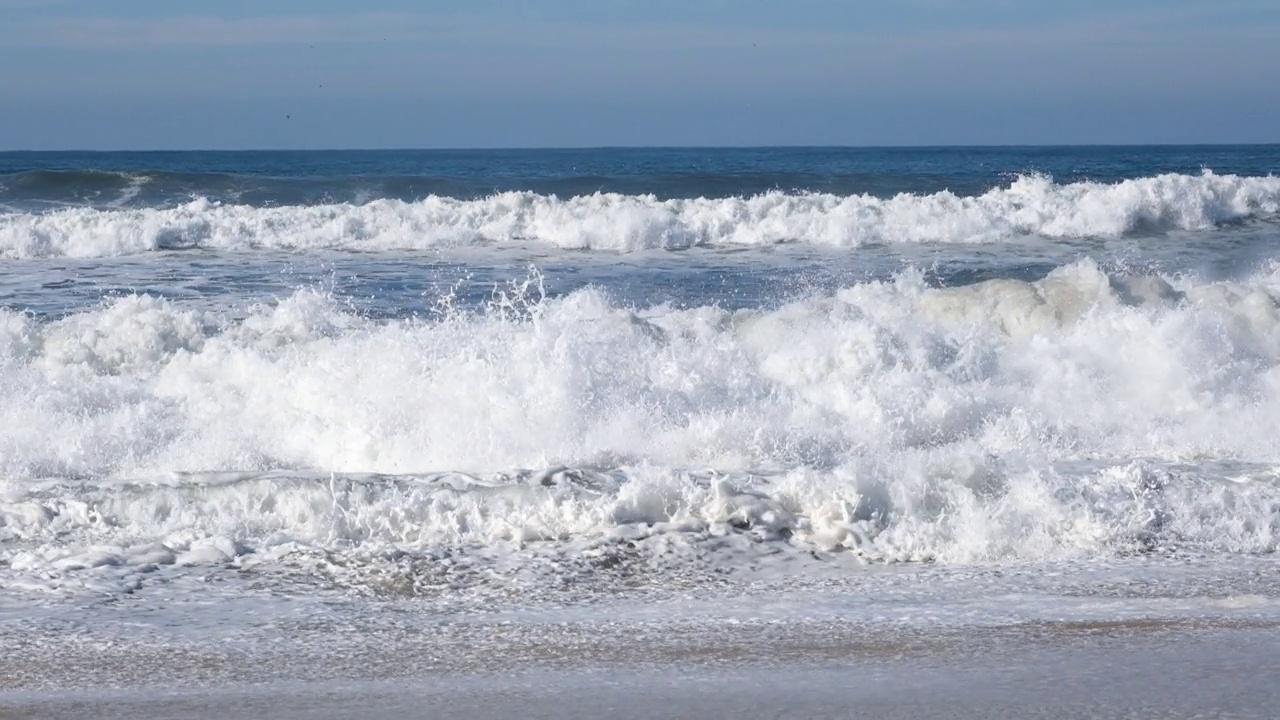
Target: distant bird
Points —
{"points": [[288, 117]]}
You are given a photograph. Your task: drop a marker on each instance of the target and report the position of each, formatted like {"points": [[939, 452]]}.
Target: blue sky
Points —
{"points": [[134, 74]]}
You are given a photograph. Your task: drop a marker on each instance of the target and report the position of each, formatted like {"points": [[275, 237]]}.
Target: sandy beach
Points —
{"points": [[1165, 669]]}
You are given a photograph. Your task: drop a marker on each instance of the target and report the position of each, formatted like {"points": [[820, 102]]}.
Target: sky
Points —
{"points": [[175, 74]]}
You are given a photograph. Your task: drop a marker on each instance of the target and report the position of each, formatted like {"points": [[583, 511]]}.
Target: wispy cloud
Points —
{"points": [[212, 31], [27, 4], [193, 30]]}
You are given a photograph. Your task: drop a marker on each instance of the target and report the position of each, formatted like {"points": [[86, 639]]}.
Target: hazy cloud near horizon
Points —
{"points": [[483, 73]]}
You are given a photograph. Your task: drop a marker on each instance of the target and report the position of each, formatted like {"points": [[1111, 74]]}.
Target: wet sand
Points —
{"points": [[1044, 670]]}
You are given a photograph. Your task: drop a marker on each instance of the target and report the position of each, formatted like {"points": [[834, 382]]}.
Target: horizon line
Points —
{"points": [[561, 148]]}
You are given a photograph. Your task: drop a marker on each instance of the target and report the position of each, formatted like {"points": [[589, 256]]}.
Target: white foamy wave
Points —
{"points": [[1032, 205], [1078, 414]]}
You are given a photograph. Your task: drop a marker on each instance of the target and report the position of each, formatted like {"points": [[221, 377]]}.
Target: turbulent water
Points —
{"points": [[427, 373]]}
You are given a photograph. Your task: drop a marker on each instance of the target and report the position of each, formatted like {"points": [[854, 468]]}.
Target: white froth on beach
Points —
{"points": [[1032, 205]]}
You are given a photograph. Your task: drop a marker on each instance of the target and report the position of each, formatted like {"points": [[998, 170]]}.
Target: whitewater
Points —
{"points": [[892, 419], [1032, 205], [262, 415]]}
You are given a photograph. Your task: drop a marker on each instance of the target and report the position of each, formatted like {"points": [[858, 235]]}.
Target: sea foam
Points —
{"points": [[1079, 414], [1031, 205]]}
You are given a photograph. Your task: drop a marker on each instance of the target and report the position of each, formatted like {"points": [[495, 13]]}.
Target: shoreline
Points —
{"points": [[458, 650], [1156, 667]]}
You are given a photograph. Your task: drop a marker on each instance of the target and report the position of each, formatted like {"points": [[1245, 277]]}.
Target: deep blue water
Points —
{"points": [[32, 180]]}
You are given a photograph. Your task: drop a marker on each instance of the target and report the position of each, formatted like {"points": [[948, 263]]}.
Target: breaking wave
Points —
{"points": [[1075, 415], [1032, 205]]}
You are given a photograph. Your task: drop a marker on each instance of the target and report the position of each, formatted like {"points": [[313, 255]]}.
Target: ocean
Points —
{"points": [[306, 416]]}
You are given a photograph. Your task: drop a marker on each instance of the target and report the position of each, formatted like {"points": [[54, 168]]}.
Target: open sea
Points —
{"points": [[263, 406]]}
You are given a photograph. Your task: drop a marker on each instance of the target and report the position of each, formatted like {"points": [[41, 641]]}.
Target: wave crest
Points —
{"points": [[1032, 205], [892, 420]]}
